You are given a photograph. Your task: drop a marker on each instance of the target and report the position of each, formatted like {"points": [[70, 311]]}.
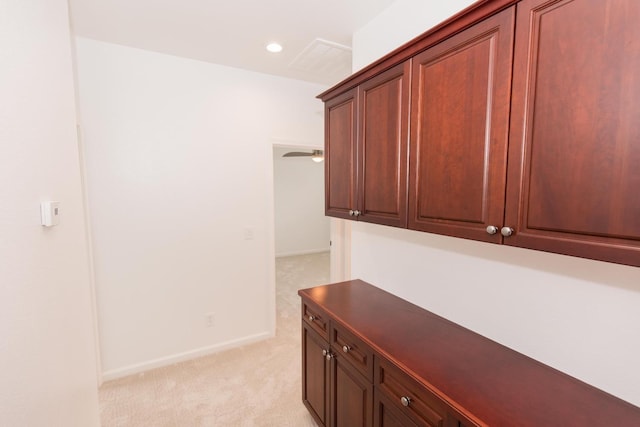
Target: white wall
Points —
{"points": [[398, 24], [577, 315], [180, 184], [300, 224], [47, 345]]}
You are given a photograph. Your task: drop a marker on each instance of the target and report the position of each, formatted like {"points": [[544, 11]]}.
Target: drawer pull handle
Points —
{"points": [[346, 348], [312, 318], [406, 401]]}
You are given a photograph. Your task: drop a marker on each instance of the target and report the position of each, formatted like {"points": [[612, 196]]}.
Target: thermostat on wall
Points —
{"points": [[50, 213]]}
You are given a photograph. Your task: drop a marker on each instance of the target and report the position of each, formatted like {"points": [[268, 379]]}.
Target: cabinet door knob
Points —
{"points": [[492, 229], [324, 352], [312, 318], [351, 213], [506, 231], [405, 400], [356, 213], [329, 356], [346, 348]]}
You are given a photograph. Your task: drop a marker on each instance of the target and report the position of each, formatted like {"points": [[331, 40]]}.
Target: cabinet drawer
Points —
{"points": [[419, 404], [317, 319], [351, 348], [387, 414]]}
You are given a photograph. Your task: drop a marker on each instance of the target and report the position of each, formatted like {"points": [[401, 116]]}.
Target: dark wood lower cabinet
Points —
{"points": [[333, 390], [352, 395], [387, 415], [315, 375], [411, 397], [370, 358]]}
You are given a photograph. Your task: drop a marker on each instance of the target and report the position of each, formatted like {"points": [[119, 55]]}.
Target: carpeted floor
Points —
{"points": [[254, 385]]}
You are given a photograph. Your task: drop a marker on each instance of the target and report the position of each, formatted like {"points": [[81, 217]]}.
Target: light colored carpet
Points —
{"points": [[254, 385]]}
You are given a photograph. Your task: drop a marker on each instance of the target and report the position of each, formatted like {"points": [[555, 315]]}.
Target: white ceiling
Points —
{"points": [[235, 33]]}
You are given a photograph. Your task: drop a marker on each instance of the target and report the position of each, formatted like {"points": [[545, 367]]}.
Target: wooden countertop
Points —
{"points": [[477, 376]]}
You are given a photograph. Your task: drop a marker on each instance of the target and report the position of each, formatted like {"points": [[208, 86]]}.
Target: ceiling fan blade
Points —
{"points": [[297, 154], [303, 154]]}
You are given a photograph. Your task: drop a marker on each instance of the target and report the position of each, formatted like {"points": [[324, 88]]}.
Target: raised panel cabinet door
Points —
{"points": [[341, 155], [574, 160], [383, 143], [460, 100], [352, 396], [315, 375]]}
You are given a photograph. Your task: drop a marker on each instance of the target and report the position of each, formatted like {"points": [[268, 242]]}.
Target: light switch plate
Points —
{"points": [[50, 213]]}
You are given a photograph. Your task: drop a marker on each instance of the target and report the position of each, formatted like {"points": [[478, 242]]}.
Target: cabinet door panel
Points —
{"points": [[315, 375], [340, 155], [384, 121], [460, 116], [574, 165], [352, 400]]}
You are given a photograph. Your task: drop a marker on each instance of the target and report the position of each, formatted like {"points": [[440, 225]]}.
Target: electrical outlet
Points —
{"points": [[248, 233], [209, 320]]}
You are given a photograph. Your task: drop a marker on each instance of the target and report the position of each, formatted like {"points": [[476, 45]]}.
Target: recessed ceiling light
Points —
{"points": [[274, 47]]}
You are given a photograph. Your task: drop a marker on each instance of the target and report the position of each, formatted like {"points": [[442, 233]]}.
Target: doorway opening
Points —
{"points": [[300, 226]]}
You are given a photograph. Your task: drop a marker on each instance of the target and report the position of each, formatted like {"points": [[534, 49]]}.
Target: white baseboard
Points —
{"points": [[181, 357], [305, 252]]}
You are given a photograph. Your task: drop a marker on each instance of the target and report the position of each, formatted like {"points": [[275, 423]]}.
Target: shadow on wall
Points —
{"points": [[608, 274]]}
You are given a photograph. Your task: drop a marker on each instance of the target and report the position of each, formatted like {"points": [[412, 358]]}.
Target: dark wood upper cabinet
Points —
{"points": [[366, 140], [574, 161], [341, 155], [524, 126], [459, 130], [383, 142]]}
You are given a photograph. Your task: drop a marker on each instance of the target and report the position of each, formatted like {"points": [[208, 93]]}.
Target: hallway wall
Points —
{"points": [[179, 161], [47, 343]]}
